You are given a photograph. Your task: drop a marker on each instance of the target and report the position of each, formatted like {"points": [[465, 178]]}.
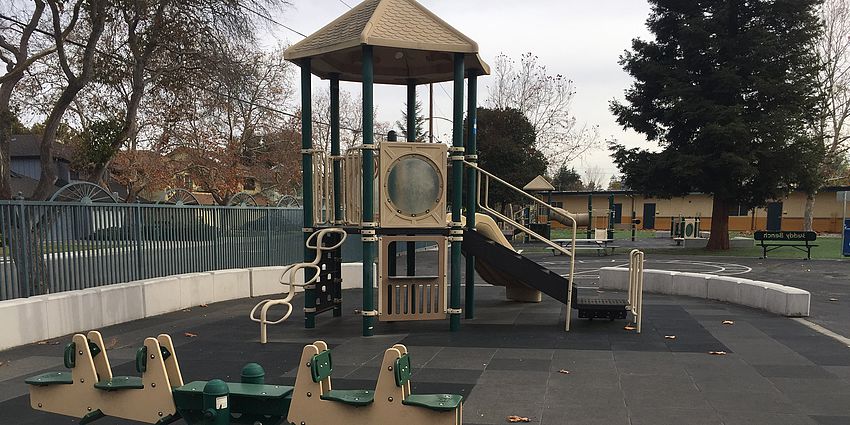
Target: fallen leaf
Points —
{"points": [[629, 328], [188, 309], [717, 353], [2, 364], [113, 342], [728, 322], [190, 335], [833, 299], [564, 371], [203, 306], [514, 418], [669, 336], [46, 342], [600, 292]]}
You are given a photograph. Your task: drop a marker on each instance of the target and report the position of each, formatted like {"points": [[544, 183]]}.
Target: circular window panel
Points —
{"points": [[414, 185]]}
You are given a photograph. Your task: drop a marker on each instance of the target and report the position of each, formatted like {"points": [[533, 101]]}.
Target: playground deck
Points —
{"points": [[508, 361]]}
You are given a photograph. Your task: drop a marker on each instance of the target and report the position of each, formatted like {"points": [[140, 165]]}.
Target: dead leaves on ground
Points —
{"points": [[833, 299], [564, 371], [717, 353], [669, 336], [629, 328], [515, 418], [728, 322], [190, 335], [47, 342]]}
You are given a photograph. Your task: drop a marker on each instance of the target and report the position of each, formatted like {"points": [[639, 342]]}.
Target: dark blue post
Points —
{"points": [[368, 225], [307, 181]]}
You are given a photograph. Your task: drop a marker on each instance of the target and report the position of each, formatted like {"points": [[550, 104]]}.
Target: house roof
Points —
{"points": [[29, 146], [539, 184], [410, 43]]}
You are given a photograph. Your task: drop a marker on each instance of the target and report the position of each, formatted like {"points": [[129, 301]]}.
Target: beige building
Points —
{"points": [[784, 214]]}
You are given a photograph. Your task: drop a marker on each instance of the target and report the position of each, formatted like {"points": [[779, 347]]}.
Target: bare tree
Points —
{"points": [[831, 126], [593, 178], [546, 100], [16, 42]]}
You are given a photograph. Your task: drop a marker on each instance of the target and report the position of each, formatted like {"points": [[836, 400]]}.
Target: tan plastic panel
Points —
{"points": [[412, 298], [392, 154]]}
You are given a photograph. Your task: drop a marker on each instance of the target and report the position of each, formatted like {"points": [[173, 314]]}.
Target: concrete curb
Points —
{"points": [[28, 320], [772, 297]]}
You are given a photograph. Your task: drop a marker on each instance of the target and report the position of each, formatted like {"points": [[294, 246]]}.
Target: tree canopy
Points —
{"points": [[506, 145], [725, 89], [567, 178]]}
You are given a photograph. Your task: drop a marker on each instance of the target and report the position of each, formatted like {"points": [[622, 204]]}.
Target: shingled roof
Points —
{"points": [[410, 43]]}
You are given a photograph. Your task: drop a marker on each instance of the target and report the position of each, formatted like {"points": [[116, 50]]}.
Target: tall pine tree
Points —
{"points": [[419, 134], [724, 89]]}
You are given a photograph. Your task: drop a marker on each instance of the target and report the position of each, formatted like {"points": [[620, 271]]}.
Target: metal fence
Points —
{"points": [[54, 247]]}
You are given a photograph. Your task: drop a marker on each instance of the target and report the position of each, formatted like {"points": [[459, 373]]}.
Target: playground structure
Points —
{"points": [[159, 396], [396, 193]]}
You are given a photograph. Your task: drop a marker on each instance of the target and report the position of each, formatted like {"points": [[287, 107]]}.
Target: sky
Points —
{"points": [[579, 39]]}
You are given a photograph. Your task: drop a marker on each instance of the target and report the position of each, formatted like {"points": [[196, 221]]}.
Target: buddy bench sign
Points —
{"points": [[846, 245]]}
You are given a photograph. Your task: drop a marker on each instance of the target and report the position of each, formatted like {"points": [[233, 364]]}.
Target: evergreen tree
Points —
{"points": [[420, 121], [725, 89], [567, 178], [506, 147]]}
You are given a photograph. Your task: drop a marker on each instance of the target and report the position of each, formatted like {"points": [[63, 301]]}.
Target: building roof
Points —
{"points": [[410, 43], [29, 146], [539, 184]]}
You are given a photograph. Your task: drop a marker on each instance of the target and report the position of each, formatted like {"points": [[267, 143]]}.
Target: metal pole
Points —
{"points": [[368, 232], [411, 137], [457, 191], [611, 217], [590, 215], [431, 112], [335, 149], [471, 156], [307, 181]]}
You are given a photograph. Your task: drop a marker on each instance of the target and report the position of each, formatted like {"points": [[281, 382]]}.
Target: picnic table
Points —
{"points": [[601, 246]]}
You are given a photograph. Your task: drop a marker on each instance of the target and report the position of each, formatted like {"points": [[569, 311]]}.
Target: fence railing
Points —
{"points": [[50, 247]]}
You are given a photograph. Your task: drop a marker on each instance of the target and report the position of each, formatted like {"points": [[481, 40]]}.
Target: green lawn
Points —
{"points": [[827, 248]]}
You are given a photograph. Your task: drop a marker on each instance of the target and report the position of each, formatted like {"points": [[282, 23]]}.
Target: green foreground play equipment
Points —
{"points": [[89, 391]]}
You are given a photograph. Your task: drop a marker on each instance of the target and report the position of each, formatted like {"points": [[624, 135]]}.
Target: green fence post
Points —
{"points": [[137, 235], [457, 192], [368, 233], [23, 251]]}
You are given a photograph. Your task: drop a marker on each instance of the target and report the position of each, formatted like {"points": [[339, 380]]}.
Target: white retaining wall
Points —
{"points": [[28, 320], [772, 297]]}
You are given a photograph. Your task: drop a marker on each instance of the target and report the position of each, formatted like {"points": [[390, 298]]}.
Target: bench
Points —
{"points": [[601, 246], [772, 240], [315, 402]]}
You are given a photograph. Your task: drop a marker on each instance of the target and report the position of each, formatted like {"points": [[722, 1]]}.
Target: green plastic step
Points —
{"points": [[441, 402], [350, 397], [51, 378], [118, 383]]}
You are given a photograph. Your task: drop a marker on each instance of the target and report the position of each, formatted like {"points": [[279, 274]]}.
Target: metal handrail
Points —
{"points": [[485, 206], [636, 259]]}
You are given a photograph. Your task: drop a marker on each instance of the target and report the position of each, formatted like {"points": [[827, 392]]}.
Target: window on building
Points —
{"points": [[618, 213], [738, 211], [557, 204], [249, 184]]}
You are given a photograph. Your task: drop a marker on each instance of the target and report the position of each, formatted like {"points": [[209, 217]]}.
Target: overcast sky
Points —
{"points": [[577, 38]]}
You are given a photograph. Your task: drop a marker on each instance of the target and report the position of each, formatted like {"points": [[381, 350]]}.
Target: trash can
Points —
{"points": [[846, 244]]}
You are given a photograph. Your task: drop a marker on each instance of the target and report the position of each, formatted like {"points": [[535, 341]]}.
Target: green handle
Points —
{"points": [[70, 355]]}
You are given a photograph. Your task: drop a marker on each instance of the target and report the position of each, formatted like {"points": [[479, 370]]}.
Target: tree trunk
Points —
{"points": [[808, 215], [6, 136], [719, 239]]}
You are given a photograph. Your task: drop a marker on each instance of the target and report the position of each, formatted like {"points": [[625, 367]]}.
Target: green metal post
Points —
{"points": [[611, 216], [335, 150], [411, 137], [307, 173], [590, 216], [392, 248], [471, 189], [457, 191], [368, 232], [337, 166]]}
